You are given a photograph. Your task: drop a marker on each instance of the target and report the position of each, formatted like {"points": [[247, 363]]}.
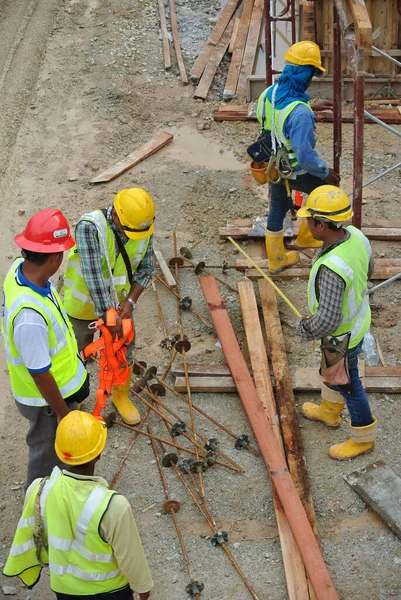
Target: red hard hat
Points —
{"points": [[47, 231]]}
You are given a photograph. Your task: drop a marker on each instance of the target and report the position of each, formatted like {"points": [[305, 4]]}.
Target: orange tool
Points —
{"points": [[113, 365]]}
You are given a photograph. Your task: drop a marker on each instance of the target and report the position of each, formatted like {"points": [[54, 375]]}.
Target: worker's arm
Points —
{"points": [[90, 260], [118, 528], [32, 343], [299, 128], [329, 314], [140, 280]]}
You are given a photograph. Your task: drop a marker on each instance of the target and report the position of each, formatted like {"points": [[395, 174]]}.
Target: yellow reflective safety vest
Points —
{"points": [[264, 114], [77, 300], [349, 260], [67, 367], [80, 562]]}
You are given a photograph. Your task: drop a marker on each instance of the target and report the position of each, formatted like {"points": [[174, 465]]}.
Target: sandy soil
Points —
{"points": [[83, 85]]}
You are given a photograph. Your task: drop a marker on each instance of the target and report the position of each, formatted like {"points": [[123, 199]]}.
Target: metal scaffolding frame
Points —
{"points": [[355, 57]]}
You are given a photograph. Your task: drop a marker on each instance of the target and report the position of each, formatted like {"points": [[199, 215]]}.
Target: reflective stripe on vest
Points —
{"points": [[264, 115], [66, 368], [355, 304], [81, 563], [77, 300]]}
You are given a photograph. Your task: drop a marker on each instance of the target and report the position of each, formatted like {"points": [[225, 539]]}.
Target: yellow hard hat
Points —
{"points": [[305, 53], [136, 210], [80, 438], [327, 203]]}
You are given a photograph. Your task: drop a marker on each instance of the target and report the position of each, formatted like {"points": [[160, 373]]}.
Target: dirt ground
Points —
{"points": [[83, 85]]}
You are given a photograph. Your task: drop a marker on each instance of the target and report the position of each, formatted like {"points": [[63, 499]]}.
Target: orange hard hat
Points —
{"points": [[47, 231]]}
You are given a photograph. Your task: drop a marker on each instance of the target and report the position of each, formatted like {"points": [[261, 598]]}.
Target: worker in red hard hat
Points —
{"points": [[47, 375]]}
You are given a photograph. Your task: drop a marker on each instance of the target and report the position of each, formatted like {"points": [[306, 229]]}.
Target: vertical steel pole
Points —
{"points": [[293, 23], [268, 44], [359, 105], [337, 127]]}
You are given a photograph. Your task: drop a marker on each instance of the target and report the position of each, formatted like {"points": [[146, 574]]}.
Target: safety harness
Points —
{"points": [[113, 364]]}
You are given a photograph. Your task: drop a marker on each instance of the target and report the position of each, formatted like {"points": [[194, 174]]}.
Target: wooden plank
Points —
{"points": [[168, 276], [362, 24], [297, 583], [214, 38], [215, 59], [269, 447], [231, 47], [163, 27], [206, 385], [158, 142], [251, 48], [307, 379], [176, 40], [236, 59], [285, 400], [307, 20], [201, 370], [380, 488], [384, 269]]}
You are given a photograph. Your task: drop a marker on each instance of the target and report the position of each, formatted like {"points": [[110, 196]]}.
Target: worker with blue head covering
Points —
{"points": [[284, 111]]}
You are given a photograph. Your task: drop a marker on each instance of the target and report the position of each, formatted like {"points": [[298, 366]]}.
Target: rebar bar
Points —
{"points": [[160, 280], [163, 322], [204, 270]]}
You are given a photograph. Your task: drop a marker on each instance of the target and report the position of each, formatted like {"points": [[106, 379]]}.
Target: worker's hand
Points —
{"points": [[144, 596], [333, 178], [116, 330], [125, 310], [322, 105], [63, 413]]}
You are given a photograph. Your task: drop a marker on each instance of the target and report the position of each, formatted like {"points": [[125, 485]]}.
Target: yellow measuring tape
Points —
{"points": [[254, 264]]}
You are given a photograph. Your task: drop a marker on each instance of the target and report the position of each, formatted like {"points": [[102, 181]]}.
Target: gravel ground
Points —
{"points": [[96, 91]]}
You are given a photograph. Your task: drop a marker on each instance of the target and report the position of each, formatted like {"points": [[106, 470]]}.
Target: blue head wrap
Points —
{"points": [[292, 83]]}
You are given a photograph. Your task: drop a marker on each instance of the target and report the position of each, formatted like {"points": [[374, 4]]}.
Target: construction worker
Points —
{"points": [[340, 317], [293, 130], [47, 375], [72, 522], [110, 266]]}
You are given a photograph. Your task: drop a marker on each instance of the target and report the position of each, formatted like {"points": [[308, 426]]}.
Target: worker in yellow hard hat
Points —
{"points": [[72, 522], [293, 130], [110, 266], [340, 317]]}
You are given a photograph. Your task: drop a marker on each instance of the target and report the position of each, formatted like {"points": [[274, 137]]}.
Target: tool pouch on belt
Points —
{"points": [[334, 360], [260, 151]]}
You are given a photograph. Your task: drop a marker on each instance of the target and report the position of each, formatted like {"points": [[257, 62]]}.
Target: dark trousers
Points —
{"points": [[280, 203], [124, 594]]}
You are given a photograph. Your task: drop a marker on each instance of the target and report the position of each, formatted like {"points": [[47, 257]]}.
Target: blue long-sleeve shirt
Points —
{"points": [[299, 128]]}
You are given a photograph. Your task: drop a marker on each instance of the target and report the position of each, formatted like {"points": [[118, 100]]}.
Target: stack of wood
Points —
{"points": [[238, 31]]}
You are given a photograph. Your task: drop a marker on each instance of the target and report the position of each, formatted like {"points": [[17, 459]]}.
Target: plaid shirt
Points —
{"points": [[90, 258], [331, 290]]}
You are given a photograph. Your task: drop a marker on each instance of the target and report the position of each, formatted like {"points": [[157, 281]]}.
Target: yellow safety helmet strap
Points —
{"points": [[132, 230], [318, 213]]}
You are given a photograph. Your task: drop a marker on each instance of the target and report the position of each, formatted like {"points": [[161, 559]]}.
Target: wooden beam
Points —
{"points": [[214, 38], [176, 40], [307, 379], [380, 488], [168, 276], [236, 59], [251, 48], [269, 447], [297, 583], [285, 400], [215, 59], [233, 39], [362, 24], [307, 27], [384, 269], [163, 27], [206, 385], [136, 157], [201, 370]]}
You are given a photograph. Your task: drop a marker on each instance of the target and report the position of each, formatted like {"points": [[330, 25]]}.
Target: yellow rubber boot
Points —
{"points": [[123, 404], [305, 239], [329, 411], [279, 259], [362, 441]]}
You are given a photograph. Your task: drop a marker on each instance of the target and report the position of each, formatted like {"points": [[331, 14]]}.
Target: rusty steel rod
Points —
{"points": [[155, 399], [202, 412], [230, 287], [337, 125], [206, 515], [233, 466], [171, 512], [159, 306], [160, 280]]}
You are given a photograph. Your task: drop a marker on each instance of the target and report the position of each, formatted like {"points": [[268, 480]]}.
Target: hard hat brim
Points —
{"points": [[303, 212], [140, 235], [42, 248]]}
